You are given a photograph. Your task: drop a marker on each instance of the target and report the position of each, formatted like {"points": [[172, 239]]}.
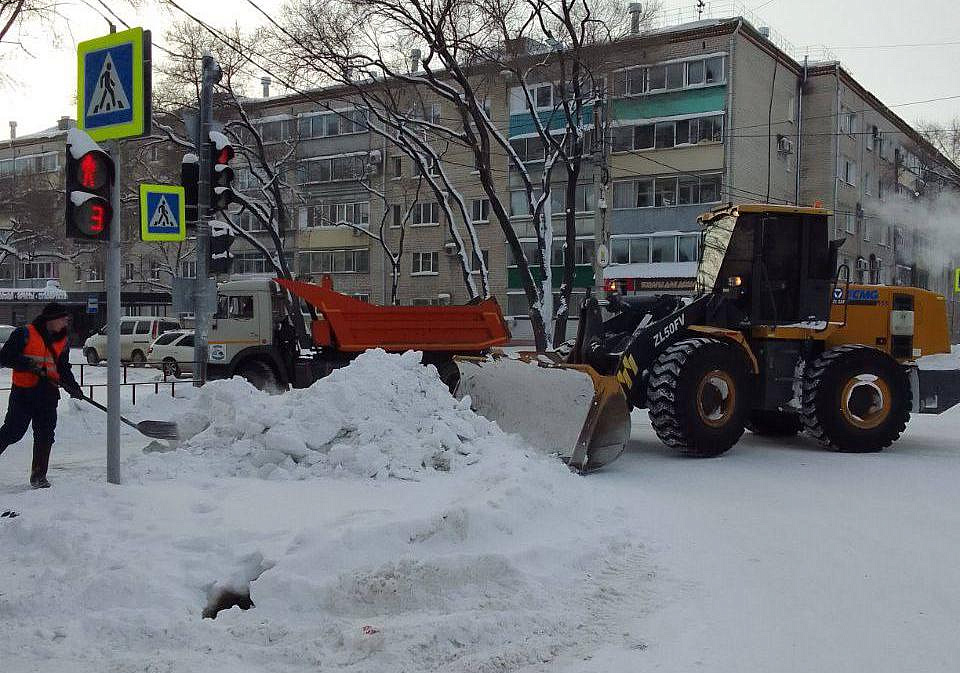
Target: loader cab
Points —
{"points": [[773, 264]]}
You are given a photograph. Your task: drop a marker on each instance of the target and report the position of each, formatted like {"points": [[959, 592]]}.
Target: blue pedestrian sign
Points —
{"points": [[162, 213], [93, 303], [113, 85]]}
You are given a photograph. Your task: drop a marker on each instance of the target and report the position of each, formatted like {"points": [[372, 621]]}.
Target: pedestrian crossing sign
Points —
{"points": [[113, 85], [162, 213]]}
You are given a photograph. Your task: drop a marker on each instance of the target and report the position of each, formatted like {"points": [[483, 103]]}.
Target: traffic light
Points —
{"points": [[221, 239], [221, 175], [89, 188], [190, 180]]}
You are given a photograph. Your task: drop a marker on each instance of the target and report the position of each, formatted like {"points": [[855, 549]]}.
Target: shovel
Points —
{"points": [[154, 429]]}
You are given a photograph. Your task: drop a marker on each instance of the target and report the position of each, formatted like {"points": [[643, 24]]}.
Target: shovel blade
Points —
{"points": [[158, 429]]}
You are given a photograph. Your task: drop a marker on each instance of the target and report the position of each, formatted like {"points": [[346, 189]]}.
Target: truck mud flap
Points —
{"points": [[939, 390]]}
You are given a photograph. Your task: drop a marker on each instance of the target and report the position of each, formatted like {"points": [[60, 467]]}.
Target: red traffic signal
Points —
{"points": [[89, 187], [221, 174]]}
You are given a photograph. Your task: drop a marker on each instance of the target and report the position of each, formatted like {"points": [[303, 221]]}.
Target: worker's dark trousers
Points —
{"points": [[39, 406]]}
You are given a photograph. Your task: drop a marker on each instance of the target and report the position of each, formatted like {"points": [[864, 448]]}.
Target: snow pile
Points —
{"points": [[382, 416], [485, 556]]}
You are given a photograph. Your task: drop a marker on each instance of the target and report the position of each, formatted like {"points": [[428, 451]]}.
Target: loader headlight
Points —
{"points": [[734, 281]]}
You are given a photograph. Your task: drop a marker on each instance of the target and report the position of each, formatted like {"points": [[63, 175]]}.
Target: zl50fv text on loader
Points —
{"points": [[774, 338]]}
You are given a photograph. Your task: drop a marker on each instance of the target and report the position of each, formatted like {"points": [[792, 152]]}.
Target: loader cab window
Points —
{"points": [[792, 268]]}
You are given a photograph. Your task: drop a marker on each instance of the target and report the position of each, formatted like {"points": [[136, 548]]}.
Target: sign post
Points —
{"points": [[113, 102]]}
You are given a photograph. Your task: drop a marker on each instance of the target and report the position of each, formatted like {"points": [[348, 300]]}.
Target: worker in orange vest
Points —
{"points": [[40, 359]]}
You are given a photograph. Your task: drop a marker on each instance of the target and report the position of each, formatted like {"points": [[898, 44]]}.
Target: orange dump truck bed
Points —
{"points": [[351, 325]]}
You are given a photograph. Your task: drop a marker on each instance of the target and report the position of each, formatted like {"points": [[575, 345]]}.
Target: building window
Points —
{"points": [[848, 171], [396, 167], [475, 261], [872, 136], [129, 271], [426, 263], [356, 260], [433, 166], [666, 191], [583, 252], [654, 249], [671, 76], [481, 210], [31, 164], [543, 96], [426, 214], [336, 214], [39, 270], [95, 273], [275, 130], [850, 223], [668, 134], [188, 269], [528, 149], [333, 169]]}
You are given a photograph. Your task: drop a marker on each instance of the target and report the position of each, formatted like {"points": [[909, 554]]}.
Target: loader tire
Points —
{"points": [[698, 396], [773, 423], [855, 399]]}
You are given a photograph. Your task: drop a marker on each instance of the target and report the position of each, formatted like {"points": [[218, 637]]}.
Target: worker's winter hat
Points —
{"points": [[54, 310]]}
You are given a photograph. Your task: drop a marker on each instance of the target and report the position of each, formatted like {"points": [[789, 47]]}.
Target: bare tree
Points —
{"points": [[462, 48], [944, 137]]}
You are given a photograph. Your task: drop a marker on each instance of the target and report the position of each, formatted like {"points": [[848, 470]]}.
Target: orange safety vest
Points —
{"points": [[37, 351]]}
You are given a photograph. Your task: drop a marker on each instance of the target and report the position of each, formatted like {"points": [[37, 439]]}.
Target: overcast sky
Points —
{"points": [[903, 51]]}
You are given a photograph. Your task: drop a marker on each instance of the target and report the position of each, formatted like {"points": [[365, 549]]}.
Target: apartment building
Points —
{"points": [[696, 115]]}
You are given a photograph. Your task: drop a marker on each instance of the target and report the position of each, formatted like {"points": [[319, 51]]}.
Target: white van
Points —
{"points": [[136, 333]]}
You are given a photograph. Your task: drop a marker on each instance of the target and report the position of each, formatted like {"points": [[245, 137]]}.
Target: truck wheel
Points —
{"points": [[93, 358], [773, 423], [856, 399], [698, 395], [260, 375]]}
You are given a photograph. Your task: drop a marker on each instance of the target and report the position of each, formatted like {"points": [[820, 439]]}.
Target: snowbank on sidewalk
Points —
{"points": [[377, 523], [382, 416]]}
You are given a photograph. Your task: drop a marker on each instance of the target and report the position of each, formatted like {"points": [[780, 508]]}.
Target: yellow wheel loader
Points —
{"points": [[774, 338]]}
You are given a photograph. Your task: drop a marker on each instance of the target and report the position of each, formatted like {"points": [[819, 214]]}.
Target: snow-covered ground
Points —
{"points": [[380, 526]]}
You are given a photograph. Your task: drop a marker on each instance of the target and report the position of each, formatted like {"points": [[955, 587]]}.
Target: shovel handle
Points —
{"points": [[104, 409]]}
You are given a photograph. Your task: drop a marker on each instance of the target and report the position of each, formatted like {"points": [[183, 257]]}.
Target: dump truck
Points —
{"points": [[775, 337], [252, 334]]}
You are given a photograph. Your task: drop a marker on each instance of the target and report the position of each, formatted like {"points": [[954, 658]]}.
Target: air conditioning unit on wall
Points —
{"points": [[450, 248], [784, 145]]}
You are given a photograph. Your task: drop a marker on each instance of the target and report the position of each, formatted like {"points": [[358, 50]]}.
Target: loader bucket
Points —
{"points": [[565, 410]]}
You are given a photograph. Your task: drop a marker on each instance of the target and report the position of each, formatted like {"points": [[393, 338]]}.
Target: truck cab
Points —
{"points": [[244, 334]]}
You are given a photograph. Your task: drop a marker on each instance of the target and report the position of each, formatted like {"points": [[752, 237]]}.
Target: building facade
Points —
{"points": [[694, 116]]}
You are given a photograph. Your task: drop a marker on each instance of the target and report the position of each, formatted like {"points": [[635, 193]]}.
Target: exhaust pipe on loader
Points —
{"points": [[566, 410]]}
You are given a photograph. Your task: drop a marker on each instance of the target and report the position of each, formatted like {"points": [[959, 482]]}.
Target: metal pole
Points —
{"points": [[201, 310], [113, 324], [601, 181]]}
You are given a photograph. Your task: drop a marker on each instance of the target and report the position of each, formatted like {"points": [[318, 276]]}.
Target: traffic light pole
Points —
{"points": [[201, 309], [113, 325]]}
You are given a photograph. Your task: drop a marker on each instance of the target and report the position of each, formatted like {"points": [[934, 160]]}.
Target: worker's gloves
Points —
{"points": [[73, 390]]}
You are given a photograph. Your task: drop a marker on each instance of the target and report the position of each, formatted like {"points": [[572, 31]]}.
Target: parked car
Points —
{"points": [[172, 352], [5, 332], [136, 333]]}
